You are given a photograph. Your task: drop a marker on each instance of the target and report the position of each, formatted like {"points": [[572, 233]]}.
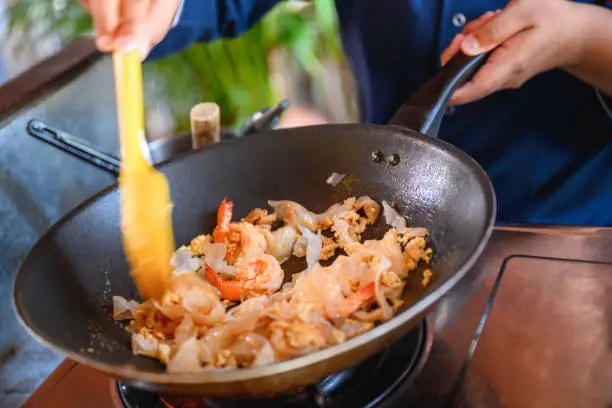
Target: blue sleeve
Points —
{"points": [[207, 20]]}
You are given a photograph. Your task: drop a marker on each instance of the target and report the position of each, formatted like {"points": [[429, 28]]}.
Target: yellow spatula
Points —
{"points": [[146, 220]]}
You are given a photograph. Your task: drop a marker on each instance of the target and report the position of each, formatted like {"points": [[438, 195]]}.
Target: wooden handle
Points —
{"points": [[205, 124]]}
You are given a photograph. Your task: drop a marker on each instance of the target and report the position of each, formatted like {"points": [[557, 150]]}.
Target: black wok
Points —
{"points": [[63, 290]]}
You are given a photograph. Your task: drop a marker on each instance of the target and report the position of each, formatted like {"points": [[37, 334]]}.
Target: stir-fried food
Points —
{"points": [[228, 307]]}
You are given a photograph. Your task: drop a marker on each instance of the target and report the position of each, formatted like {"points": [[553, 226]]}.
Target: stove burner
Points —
{"points": [[366, 385]]}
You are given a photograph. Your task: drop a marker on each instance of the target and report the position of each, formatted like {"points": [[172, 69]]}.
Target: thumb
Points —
{"points": [[507, 23]]}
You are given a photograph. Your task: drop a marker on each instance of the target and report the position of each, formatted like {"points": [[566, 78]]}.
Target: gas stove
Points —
{"points": [[529, 326]]}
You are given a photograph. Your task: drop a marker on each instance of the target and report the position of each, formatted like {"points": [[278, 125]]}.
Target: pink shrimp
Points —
{"points": [[258, 275], [224, 218]]}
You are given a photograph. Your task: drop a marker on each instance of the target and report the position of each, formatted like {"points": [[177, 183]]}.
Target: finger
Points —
{"points": [[159, 22], [479, 22], [452, 49], [455, 47], [132, 19], [105, 16], [510, 21], [499, 72]]}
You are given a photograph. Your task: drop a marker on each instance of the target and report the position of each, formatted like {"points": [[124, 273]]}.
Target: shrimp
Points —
{"points": [[244, 240], [224, 218], [256, 276]]}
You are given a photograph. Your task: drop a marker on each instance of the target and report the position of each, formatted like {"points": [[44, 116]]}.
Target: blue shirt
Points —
{"points": [[547, 146]]}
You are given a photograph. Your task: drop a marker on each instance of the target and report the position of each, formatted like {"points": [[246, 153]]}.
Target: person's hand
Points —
{"points": [[130, 25], [529, 37]]}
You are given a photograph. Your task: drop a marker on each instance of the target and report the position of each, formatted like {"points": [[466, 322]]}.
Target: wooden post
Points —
{"points": [[205, 124]]}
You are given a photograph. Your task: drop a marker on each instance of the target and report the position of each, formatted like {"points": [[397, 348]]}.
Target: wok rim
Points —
{"points": [[131, 374]]}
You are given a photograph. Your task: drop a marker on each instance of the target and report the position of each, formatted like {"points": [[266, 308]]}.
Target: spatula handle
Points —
{"points": [[130, 110]]}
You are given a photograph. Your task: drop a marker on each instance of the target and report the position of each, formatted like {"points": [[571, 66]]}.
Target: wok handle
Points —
{"points": [[74, 146], [424, 110]]}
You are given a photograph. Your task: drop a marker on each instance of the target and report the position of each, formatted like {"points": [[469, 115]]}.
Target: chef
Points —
{"points": [[537, 116]]}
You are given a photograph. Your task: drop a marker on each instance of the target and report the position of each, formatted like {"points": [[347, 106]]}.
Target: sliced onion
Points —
{"points": [[182, 262], [313, 247], [215, 258], [124, 309], [393, 218], [335, 179]]}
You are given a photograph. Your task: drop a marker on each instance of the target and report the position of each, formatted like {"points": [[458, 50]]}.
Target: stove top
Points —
{"points": [[529, 326]]}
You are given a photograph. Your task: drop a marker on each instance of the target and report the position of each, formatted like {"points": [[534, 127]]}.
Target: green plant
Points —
{"points": [[235, 73]]}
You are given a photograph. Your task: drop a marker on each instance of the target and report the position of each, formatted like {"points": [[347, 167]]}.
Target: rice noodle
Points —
{"points": [[339, 208], [187, 358], [243, 318]]}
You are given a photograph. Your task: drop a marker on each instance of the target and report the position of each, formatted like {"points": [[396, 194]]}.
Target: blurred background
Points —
{"points": [[293, 53]]}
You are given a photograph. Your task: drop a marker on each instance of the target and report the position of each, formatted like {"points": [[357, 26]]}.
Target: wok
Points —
{"points": [[62, 291]]}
